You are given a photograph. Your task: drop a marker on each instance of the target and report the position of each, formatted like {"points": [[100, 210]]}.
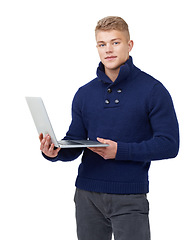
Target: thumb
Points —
{"points": [[101, 140], [58, 149]]}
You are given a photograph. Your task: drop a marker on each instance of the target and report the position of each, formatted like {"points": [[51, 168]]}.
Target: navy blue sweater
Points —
{"points": [[137, 112]]}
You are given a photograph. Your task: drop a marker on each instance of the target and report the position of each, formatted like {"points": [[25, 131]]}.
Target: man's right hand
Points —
{"points": [[47, 147]]}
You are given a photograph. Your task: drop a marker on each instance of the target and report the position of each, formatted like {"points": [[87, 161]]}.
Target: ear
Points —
{"points": [[130, 45]]}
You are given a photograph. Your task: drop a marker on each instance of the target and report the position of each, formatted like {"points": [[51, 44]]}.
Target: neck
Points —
{"points": [[112, 74]]}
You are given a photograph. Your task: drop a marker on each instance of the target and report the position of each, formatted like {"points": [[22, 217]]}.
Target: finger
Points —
{"points": [[47, 144], [102, 140], [99, 151], [51, 148], [57, 150], [42, 144], [48, 140], [52, 152], [94, 149], [41, 137], [91, 148]]}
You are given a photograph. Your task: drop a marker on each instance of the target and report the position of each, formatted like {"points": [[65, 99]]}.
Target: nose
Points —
{"points": [[109, 48]]}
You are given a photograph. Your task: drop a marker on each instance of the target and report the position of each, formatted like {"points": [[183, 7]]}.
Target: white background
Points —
{"points": [[47, 49]]}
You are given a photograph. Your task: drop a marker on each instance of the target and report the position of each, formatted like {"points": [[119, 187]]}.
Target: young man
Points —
{"points": [[134, 114]]}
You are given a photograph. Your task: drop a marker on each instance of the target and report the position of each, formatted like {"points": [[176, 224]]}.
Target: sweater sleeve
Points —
{"points": [[76, 130], [164, 143]]}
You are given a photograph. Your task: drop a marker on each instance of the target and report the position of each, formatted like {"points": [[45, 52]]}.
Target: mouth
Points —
{"points": [[110, 57]]}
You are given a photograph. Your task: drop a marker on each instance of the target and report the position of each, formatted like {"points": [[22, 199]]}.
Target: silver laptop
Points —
{"points": [[43, 125]]}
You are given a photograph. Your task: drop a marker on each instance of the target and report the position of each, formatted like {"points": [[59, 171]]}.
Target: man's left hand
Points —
{"points": [[106, 152]]}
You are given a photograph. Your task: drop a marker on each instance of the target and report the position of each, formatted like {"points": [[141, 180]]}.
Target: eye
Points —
{"points": [[116, 43], [102, 45]]}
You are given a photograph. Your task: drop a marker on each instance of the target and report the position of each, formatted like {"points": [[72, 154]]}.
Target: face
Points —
{"points": [[113, 48]]}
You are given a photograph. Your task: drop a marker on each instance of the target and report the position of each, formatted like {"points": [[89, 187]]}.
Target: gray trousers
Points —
{"points": [[100, 215]]}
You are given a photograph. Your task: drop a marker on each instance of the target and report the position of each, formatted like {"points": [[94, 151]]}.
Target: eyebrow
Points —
{"points": [[112, 40]]}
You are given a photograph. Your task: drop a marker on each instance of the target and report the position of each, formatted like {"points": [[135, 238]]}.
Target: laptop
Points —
{"points": [[43, 125]]}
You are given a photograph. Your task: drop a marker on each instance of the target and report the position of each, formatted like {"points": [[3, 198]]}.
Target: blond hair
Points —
{"points": [[112, 23]]}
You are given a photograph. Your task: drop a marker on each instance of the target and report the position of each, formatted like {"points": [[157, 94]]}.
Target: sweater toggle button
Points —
{"points": [[119, 90], [107, 101], [109, 90], [116, 101]]}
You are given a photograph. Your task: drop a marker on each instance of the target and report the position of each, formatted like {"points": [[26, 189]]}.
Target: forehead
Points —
{"points": [[107, 36]]}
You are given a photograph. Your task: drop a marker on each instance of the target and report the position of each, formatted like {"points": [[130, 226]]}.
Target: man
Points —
{"points": [[134, 114]]}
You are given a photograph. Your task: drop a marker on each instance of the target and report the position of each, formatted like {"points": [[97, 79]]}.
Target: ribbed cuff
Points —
{"points": [[122, 152]]}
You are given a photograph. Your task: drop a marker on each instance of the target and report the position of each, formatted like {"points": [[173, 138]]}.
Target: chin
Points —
{"points": [[111, 65]]}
